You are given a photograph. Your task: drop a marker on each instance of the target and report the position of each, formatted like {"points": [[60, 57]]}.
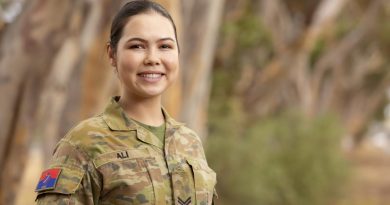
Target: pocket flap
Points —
{"points": [[199, 165], [203, 173]]}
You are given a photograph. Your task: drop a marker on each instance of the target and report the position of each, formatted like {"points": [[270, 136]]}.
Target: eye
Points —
{"points": [[166, 46], [136, 46]]}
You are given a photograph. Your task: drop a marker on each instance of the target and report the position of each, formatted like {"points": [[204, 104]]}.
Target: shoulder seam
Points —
{"points": [[78, 148]]}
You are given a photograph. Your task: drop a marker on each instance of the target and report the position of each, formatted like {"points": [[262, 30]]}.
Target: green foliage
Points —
{"points": [[284, 160], [317, 51]]}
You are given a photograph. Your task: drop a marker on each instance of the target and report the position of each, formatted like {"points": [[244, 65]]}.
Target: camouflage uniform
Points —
{"points": [[110, 159]]}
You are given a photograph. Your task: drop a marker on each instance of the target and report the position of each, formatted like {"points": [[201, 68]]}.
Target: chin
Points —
{"points": [[152, 93]]}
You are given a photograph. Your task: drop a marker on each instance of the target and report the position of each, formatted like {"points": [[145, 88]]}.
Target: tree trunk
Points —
{"points": [[201, 21], [39, 53], [27, 50]]}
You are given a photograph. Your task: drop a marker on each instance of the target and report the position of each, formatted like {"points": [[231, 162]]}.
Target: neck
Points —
{"points": [[145, 110]]}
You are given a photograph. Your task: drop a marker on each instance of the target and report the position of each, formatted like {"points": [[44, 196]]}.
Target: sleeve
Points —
{"points": [[70, 179]]}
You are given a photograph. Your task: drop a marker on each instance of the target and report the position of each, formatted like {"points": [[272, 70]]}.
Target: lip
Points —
{"points": [[150, 72], [151, 76]]}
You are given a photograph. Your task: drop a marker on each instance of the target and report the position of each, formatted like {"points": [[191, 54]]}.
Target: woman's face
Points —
{"points": [[146, 57]]}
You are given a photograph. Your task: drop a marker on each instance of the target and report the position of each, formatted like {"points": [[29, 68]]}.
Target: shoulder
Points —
{"points": [[72, 150], [188, 143], [87, 133], [87, 130], [188, 132]]}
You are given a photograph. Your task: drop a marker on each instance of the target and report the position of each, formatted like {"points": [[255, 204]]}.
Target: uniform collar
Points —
{"points": [[117, 120], [171, 123]]}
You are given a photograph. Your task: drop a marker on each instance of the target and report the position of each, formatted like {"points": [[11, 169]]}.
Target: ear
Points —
{"points": [[111, 55]]}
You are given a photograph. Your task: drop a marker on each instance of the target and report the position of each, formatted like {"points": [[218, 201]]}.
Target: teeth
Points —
{"points": [[151, 75]]}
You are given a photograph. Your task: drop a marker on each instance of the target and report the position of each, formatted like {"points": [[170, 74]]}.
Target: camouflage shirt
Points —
{"points": [[110, 159]]}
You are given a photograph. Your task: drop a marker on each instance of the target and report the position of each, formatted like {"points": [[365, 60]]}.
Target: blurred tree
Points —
{"points": [[201, 20], [312, 57], [39, 52], [315, 56]]}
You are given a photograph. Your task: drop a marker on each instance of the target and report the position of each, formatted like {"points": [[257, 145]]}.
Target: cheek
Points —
{"points": [[174, 74], [126, 69], [172, 63], [174, 71], [128, 64]]}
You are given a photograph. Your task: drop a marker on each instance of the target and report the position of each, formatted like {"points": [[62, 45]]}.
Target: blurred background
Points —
{"points": [[291, 97]]}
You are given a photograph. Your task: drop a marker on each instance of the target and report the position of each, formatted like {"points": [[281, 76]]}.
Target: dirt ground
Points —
{"points": [[369, 181], [370, 177]]}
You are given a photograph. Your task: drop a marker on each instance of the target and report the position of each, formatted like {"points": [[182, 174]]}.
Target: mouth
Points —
{"points": [[151, 75]]}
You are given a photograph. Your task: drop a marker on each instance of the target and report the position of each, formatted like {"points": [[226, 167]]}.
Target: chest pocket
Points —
{"points": [[205, 180], [126, 177], [193, 183]]}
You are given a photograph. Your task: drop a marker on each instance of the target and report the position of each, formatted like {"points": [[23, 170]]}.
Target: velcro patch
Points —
{"points": [[48, 179]]}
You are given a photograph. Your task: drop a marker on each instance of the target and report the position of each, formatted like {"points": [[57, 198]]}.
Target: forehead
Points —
{"points": [[148, 25]]}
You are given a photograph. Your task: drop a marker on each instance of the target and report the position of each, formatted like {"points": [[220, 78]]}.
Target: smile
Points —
{"points": [[151, 75]]}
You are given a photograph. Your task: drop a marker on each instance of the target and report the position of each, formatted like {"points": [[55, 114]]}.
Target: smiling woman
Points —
{"points": [[134, 152], [146, 57]]}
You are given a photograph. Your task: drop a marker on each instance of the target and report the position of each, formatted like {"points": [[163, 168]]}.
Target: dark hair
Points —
{"points": [[133, 8]]}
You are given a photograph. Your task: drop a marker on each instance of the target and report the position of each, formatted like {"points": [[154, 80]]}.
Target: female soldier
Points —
{"points": [[133, 153]]}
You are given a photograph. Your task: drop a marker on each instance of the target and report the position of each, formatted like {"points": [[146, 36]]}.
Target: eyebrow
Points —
{"points": [[145, 41]]}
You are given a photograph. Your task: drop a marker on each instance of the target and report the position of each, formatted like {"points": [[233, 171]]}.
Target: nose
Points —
{"points": [[152, 58]]}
